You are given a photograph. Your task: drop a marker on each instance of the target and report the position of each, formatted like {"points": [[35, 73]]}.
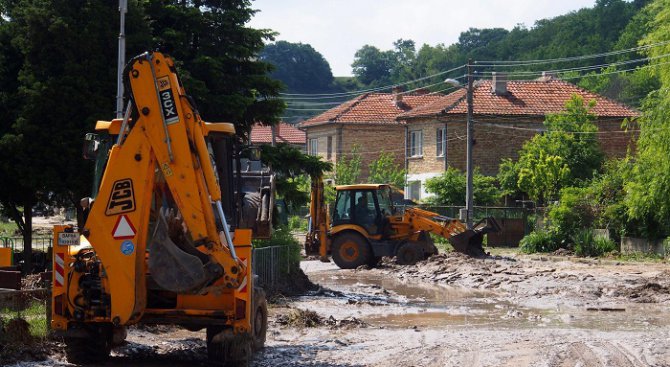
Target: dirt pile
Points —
{"points": [[17, 344], [295, 283], [300, 318]]}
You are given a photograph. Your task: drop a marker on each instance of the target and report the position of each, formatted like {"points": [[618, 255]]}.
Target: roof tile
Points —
{"points": [[523, 97], [371, 108], [285, 133]]}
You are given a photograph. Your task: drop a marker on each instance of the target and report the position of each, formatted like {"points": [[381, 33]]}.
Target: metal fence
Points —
{"points": [[271, 263], [16, 243]]}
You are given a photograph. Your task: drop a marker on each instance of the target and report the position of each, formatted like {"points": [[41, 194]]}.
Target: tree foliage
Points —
{"points": [[384, 170], [592, 30], [449, 188], [567, 154], [348, 168], [648, 194], [292, 168], [58, 76], [299, 66]]}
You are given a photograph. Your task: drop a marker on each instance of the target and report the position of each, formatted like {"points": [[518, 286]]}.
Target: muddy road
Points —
{"points": [[450, 311]]}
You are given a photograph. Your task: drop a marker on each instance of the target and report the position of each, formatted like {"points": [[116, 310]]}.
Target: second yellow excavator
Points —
{"points": [[365, 227]]}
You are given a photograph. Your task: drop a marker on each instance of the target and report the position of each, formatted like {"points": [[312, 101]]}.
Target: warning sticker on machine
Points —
{"points": [[168, 105], [68, 239]]}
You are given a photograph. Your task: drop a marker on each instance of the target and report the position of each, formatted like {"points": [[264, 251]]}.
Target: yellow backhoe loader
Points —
{"points": [[366, 227], [156, 246]]}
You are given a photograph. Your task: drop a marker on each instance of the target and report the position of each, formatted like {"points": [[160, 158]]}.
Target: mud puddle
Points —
{"points": [[388, 302]]}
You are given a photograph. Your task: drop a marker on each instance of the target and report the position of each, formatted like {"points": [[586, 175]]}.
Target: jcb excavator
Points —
{"points": [[366, 227], [156, 246]]}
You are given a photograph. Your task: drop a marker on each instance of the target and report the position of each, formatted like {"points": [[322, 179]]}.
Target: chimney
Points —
{"points": [[499, 83], [421, 91], [397, 95], [548, 76]]}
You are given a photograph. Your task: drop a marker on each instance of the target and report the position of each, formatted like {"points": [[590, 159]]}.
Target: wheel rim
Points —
{"points": [[349, 251]]}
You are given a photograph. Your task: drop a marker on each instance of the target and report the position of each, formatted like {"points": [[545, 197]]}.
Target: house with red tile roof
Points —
{"points": [[367, 123], [284, 133], [506, 114]]}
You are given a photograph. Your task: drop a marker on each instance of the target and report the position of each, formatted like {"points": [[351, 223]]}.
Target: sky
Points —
{"points": [[338, 28]]}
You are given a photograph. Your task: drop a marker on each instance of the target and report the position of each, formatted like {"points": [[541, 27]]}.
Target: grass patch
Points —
{"points": [[641, 257], [34, 315]]}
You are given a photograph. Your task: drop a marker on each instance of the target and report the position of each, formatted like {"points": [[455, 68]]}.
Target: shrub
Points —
{"points": [[540, 241], [587, 244], [572, 214], [290, 254], [297, 223]]}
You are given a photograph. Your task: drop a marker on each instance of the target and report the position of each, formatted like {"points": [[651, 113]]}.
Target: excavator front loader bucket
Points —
{"points": [[470, 241]]}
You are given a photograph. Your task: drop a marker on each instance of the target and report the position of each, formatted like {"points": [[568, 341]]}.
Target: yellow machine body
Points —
{"points": [[102, 272], [353, 241]]}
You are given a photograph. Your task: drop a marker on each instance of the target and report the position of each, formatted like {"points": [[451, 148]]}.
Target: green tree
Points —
{"points": [[217, 55], [299, 66], [292, 167], [648, 197], [372, 66], [348, 168], [567, 154], [58, 76], [449, 188], [58, 70], [384, 170]]}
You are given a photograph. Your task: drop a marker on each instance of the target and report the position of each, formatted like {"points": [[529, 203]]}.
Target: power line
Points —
{"points": [[378, 88], [376, 98], [585, 68], [503, 63]]}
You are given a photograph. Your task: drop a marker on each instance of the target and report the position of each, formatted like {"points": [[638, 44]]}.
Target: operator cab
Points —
{"points": [[367, 206]]}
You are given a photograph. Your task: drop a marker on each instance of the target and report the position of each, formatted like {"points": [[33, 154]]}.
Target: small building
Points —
{"points": [[506, 115], [284, 133], [367, 123]]}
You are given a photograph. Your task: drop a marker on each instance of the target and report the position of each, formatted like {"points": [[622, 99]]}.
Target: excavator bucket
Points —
{"points": [[172, 268], [470, 241]]}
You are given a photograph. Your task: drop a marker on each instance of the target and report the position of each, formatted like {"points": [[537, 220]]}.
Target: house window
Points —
{"points": [[416, 143], [441, 141], [329, 152], [414, 190], [313, 146]]}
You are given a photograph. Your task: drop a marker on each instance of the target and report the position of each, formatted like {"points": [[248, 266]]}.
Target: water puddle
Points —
{"points": [[384, 301]]}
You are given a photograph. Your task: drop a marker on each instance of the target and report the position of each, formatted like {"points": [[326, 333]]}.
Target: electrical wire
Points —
{"points": [[378, 88], [488, 63]]}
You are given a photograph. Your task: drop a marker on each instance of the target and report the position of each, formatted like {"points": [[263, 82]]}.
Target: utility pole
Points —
{"points": [[470, 143], [123, 9]]}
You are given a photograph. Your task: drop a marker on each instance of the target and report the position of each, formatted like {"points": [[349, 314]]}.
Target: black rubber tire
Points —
{"points": [[409, 254], [92, 350], [259, 321], [235, 351], [351, 250]]}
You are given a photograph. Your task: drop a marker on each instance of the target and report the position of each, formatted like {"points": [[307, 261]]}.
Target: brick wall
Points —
{"points": [[372, 140], [322, 134], [493, 144], [429, 161]]}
